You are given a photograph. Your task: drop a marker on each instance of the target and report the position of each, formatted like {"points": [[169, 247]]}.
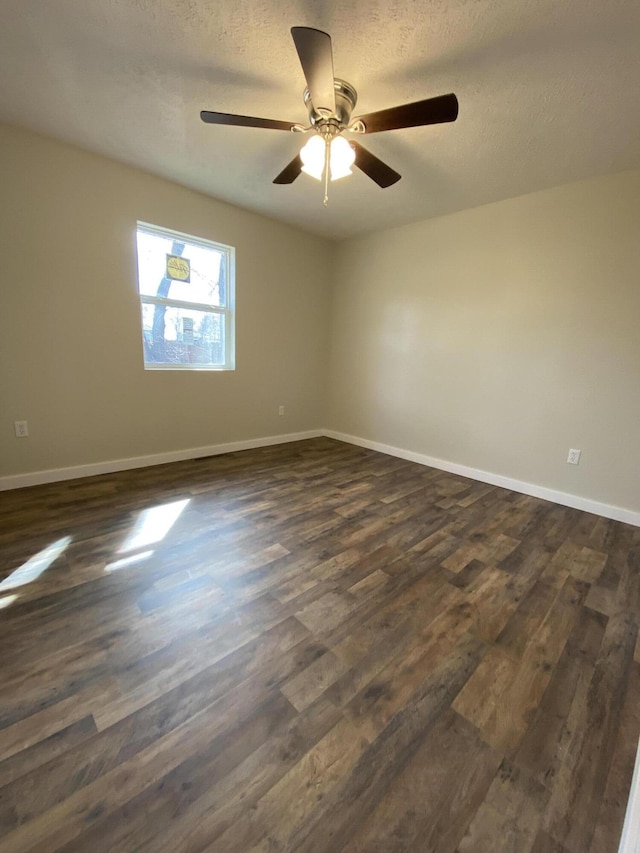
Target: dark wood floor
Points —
{"points": [[329, 649]]}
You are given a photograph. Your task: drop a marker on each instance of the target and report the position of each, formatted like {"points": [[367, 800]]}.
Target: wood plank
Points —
{"points": [[435, 796], [616, 793], [578, 787], [505, 718], [351, 803], [543, 747], [510, 815]]}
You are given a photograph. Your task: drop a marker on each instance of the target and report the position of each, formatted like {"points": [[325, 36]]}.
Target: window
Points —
{"points": [[186, 287]]}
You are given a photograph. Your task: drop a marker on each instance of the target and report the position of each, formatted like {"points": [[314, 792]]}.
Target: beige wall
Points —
{"points": [[70, 339], [500, 337], [495, 338]]}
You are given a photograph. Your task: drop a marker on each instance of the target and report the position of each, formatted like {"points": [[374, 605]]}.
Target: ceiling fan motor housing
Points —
{"points": [[346, 97]]}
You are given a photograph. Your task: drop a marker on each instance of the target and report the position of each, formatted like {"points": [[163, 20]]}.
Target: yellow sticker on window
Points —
{"points": [[179, 269]]}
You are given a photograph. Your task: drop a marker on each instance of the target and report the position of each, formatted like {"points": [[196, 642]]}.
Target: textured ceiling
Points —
{"points": [[549, 92]]}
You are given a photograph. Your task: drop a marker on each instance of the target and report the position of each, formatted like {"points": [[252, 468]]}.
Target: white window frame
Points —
{"points": [[226, 311]]}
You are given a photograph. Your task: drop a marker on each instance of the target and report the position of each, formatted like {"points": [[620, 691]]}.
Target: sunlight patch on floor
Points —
{"points": [[33, 568], [125, 562], [153, 525]]}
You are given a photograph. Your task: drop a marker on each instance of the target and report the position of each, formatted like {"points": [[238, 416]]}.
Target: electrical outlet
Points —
{"points": [[281, 410], [21, 428], [574, 457]]}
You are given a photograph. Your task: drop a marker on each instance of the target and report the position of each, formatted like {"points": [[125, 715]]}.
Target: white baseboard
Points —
{"points": [[585, 504], [54, 475]]}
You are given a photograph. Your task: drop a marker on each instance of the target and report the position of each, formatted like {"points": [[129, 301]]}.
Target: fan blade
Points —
{"points": [[383, 175], [245, 121], [290, 172], [431, 111], [316, 58]]}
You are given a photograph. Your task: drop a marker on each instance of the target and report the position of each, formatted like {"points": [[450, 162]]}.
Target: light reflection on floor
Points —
{"points": [[33, 568], [125, 562], [151, 527]]}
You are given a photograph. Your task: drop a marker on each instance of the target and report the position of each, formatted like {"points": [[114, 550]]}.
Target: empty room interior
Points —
{"points": [[320, 426]]}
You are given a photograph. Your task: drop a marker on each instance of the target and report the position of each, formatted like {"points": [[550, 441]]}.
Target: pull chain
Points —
{"points": [[327, 151]]}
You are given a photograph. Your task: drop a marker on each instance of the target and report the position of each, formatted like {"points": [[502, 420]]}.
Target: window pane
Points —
{"points": [[206, 269], [182, 336]]}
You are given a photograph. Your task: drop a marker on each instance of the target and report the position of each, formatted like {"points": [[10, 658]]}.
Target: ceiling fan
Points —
{"points": [[330, 102]]}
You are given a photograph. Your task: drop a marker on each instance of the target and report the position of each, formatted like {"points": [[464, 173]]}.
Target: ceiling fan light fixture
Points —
{"points": [[312, 156], [342, 157]]}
